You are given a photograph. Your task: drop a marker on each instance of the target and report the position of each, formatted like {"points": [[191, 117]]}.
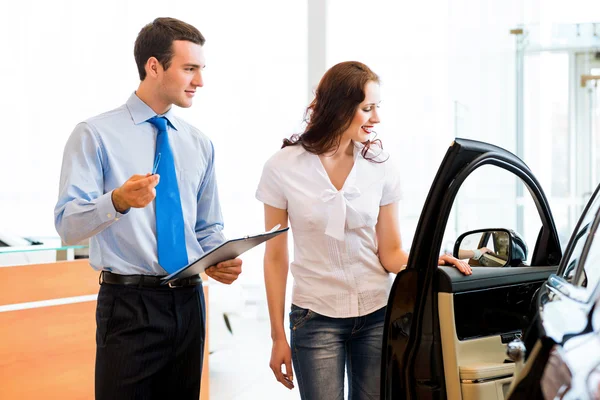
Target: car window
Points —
{"points": [[587, 274], [579, 239], [487, 200]]}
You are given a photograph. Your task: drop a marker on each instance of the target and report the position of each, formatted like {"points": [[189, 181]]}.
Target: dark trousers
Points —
{"points": [[150, 342]]}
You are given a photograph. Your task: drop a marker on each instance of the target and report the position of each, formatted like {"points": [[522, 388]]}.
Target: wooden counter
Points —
{"points": [[48, 331]]}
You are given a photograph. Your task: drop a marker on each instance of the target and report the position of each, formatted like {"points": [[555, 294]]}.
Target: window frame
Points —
{"points": [[590, 235]]}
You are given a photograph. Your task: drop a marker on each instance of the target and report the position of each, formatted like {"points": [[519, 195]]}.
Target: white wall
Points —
{"points": [[64, 61], [447, 69], [406, 47], [482, 84]]}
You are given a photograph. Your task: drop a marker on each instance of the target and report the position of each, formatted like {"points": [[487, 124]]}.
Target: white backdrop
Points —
{"points": [[447, 68], [64, 61]]}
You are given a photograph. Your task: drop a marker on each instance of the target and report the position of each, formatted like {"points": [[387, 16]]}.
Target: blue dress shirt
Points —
{"points": [[106, 150]]}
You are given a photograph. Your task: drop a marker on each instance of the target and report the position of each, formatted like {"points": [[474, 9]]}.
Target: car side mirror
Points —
{"points": [[491, 248]]}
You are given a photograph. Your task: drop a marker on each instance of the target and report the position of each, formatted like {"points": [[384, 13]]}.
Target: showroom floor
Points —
{"points": [[240, 369]]}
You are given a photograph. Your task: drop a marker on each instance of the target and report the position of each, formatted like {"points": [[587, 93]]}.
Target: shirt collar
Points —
{"points": [[141, 112]]}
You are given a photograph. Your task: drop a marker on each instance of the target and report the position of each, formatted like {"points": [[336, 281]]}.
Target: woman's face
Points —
{"points": [[366, 115], [502, 239]]}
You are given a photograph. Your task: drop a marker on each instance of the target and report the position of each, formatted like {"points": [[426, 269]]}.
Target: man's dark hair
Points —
{"points": [[156, 40]]}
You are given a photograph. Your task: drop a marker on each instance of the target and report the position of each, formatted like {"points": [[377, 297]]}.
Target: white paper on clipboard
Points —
{"points": [[226, 251]]}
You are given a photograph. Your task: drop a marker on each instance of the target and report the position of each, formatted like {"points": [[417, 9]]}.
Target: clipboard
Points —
{"points": [[226, 251]]}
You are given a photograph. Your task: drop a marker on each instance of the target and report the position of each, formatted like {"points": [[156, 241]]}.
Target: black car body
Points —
{"points": [[563, 343]]}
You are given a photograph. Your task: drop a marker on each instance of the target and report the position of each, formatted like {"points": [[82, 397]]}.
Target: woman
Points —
{"points": [[340, 195]]}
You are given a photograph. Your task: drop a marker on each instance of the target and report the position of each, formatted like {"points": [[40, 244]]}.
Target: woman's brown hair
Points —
{"points": [[329, 115]]}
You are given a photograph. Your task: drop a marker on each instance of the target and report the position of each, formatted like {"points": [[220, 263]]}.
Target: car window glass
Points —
{"points": [[587, 274], [596, 317], [579, 238], [488, 199]]}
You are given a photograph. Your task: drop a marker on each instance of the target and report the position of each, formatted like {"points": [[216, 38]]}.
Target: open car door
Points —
{"points": [[438, 339]]}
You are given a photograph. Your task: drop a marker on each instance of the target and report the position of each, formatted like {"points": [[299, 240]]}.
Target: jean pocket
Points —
{"points": [[299, 316]]}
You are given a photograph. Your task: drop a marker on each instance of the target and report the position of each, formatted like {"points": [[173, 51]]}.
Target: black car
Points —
{"points": [[562, 346], [446, 335]]}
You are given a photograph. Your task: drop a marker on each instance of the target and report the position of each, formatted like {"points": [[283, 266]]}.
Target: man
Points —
{"points": [[144, 225]]}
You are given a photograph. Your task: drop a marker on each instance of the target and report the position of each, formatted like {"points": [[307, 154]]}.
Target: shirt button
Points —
{"points": [[109, 215]]}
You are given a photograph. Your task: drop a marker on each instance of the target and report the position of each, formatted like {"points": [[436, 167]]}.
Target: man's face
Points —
{"points": [[178, 84]]}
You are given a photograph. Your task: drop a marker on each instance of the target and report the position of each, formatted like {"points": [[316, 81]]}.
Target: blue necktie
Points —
{"points": [[170, 231]]}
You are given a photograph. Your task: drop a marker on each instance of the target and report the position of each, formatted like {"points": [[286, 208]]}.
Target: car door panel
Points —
{"points": [[503, 310], [422, 353], [479, 314], [474, 368], [450, 280]]}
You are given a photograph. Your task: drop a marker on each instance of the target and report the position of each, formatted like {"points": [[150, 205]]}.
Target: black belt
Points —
{"points": [[150, 281]]}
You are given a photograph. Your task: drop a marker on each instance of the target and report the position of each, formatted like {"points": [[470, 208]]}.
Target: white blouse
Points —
{"points": [[336, 270]]}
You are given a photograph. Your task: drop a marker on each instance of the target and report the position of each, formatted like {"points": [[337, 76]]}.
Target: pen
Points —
{"points": [[155, 167]]}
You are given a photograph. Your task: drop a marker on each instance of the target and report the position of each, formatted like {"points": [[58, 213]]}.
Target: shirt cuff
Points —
{"points": [[106, 208], [216, 239]]}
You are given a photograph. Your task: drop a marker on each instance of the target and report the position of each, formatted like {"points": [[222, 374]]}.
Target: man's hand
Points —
{"points": [[225, 272], [137, 192], [485, 250]]}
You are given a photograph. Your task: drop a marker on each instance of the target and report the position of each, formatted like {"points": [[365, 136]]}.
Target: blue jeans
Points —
{"points": [[322, 347]]}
